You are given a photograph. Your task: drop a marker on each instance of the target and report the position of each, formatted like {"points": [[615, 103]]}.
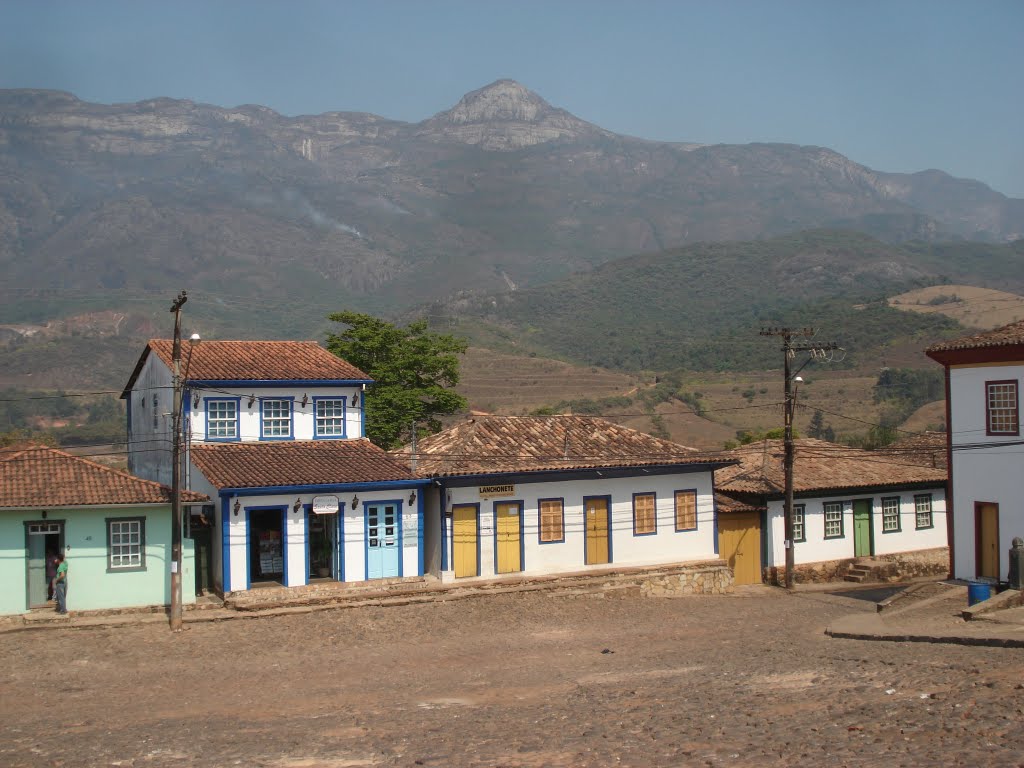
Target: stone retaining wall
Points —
{"points": [[897, 566], [698, 580]]}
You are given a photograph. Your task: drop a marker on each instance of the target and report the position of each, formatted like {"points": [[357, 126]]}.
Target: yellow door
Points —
{"points": [[506, 528], [739, 544], [596, 513], [987, 539], [464, 540]]}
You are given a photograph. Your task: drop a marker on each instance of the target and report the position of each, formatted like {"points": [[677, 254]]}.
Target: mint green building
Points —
{"points": [[113, 528]]}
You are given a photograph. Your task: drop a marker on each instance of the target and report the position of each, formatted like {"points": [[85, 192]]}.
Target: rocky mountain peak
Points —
{"points": [[504, 115], [502, 100]]}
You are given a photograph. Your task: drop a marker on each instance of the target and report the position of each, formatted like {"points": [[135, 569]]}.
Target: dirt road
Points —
{"points": [[514, 680]]}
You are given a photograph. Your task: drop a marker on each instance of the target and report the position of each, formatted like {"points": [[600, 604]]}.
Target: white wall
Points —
{"points": [[666, 546], [818, 549], [303, 418], [353, 542], [989, 474]]}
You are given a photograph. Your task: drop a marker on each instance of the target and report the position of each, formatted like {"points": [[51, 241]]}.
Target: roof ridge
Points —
{"points": [[105, 468]]}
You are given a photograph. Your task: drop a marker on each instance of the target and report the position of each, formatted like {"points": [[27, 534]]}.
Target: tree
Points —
{"points": [[413, 370]]}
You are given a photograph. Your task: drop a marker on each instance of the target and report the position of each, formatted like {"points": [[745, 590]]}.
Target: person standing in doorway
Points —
{"points": [[60, 588], [51, 573]]}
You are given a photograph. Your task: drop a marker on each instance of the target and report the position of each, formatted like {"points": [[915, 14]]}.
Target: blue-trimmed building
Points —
{"points": [[535, 495], [274, 434]]}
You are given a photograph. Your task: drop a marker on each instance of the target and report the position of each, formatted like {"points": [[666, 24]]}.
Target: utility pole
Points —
{"points": [[789, 351], [176, 468]]}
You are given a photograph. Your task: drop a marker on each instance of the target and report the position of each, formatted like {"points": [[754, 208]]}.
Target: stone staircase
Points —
{"points": [[869, 570]]}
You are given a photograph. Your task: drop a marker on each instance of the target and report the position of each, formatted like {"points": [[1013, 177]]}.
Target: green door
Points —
{"points": [[862, 528]]}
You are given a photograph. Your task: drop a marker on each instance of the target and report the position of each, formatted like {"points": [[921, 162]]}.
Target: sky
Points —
{"points": [[900, 85]]}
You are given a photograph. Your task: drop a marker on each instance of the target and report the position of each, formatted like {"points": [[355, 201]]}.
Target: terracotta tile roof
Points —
{"points": [[738, 502], [818, 466], [252, 361], [927, 449], [1001, 337], [299, 462], [493, 444], [40, 476]]}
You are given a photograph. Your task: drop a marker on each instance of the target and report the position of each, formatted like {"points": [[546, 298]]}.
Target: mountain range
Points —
{"points": [[101, 205]]}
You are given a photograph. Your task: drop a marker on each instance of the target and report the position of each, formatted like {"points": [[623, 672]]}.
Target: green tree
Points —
{"points": [[413, 370]]}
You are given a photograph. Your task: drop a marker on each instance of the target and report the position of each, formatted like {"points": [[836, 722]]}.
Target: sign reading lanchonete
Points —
{"points": [[497, 490], [325, 505]]}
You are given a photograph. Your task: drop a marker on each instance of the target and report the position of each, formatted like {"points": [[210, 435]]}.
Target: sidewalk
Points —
{"points": [[932, 613]]}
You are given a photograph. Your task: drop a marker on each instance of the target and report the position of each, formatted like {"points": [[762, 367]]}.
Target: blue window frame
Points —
{"points": [[222, 423], [645, 514], [276, 421], [551, 521], [329, 417]]}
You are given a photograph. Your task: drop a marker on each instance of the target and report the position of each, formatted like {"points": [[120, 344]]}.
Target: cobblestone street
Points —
{"points": [[513, 680]]}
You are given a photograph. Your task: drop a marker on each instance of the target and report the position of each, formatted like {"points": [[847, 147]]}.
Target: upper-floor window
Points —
{"points": [[1002, 415], [276, 418], [222, 419], [330, 417], [686, 510]]}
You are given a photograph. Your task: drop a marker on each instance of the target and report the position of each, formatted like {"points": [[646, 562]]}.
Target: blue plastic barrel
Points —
{"points": [[978, 592]]}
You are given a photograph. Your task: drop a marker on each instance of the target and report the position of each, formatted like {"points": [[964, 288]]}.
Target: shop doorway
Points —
{"points": [[200, 530], [508, 541], [596, 510], [43, 541], [465, 543], [323, 547], [383, 539], [266, 545]]}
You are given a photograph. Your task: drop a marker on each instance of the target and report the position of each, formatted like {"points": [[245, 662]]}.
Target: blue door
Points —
{"points": [[383, 540]]}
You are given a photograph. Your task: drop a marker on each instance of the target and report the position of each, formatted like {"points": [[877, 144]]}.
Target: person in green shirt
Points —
{"points": [[60, 589]]}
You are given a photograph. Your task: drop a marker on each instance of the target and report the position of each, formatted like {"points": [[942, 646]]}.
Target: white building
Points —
{"points": [[540, 495], [983, 383], [848, 504], [274, 435]]}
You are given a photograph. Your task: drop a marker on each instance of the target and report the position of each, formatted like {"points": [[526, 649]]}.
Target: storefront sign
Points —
{"points": [[325, 505], [497, 490]]}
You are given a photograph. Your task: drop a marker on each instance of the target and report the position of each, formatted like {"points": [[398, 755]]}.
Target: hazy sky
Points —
{"points": [[902, 85]]}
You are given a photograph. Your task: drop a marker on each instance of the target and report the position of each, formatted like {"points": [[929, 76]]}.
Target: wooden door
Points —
{"points": [[382, 541], [464, 540], [986, 532], [595, 512], [862, 528], [739, 544], [508, 542]]}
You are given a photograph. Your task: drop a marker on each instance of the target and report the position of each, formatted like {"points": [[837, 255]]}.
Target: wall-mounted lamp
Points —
{"points": [[252, 399], [355, 502], [297, 506], [195, 401], [412, 497], [355, 400], [238, 506], [305, 400], [44, 514]]}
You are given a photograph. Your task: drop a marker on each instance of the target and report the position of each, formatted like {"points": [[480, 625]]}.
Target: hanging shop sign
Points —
{"points": [[325, 505]]}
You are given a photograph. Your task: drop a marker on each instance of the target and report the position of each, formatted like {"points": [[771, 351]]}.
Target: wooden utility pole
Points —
{"points": [[176, 467], [789, 351]]}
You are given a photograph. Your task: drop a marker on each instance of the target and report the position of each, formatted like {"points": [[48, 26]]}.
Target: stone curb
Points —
{"points": [[870, 627]]}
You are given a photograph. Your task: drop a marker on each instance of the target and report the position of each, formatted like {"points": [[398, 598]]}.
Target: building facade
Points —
{"points": [[984, 374]]}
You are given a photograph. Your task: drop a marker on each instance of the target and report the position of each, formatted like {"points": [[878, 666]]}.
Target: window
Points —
{"points": [[222, 419], [275, 418], [1001, 413], [126, 544], [833, 520], [923, 510], [686, 510], [891, 514], [551, 520], [330, 417], [799, 531], [645, 516]]}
